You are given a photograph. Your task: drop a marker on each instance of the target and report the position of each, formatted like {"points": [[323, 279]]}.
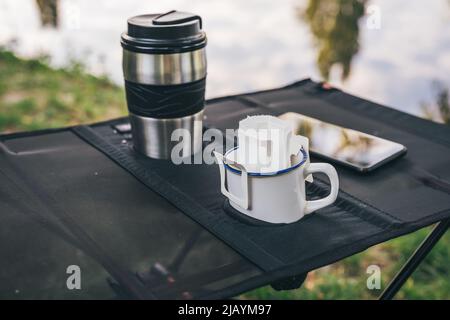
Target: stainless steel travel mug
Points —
{"points": [[164, 66]]}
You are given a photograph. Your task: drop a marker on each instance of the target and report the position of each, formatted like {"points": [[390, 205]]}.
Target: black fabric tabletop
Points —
{"points": [[400, 197], [407, 194]]}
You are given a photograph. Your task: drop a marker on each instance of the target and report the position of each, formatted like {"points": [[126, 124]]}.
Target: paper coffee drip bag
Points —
{"points": [[266, 144]]}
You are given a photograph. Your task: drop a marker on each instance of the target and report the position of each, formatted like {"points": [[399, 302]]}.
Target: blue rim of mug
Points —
{"points": [[256, 174]]}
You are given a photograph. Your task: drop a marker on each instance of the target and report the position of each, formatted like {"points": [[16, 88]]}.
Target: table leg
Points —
{"points": [[414, 261]]}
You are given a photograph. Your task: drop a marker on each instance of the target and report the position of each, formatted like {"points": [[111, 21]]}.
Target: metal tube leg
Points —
{"points": [[179, 259], [414, 261]]}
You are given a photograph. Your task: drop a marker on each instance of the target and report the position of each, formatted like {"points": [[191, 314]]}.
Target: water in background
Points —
{"points": [[390, 51]]}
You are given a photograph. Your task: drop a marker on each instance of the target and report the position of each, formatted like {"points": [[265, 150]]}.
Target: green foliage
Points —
{"points": [[438, 110], [334, 25], [34, 95]]}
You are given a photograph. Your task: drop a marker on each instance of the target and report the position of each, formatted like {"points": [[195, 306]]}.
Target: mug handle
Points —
{"points": [[296, 143], [244, 202], [330, 171]]}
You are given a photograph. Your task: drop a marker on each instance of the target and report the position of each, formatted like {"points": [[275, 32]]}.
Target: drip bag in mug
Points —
{"points": [[266, 144]]}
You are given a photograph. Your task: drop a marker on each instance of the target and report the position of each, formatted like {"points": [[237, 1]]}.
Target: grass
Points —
{"points": [[346, 279], [34, 96]]}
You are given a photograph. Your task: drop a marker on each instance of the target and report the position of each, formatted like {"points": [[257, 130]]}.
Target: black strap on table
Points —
{"points": [[360, 217]]}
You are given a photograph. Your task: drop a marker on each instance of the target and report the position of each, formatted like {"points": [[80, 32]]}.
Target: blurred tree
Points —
{"points": [[334, 24], [440, 110], [48, 11]]}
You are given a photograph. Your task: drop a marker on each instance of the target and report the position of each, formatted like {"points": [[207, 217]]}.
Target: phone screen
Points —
{"points": [[350, 147]]}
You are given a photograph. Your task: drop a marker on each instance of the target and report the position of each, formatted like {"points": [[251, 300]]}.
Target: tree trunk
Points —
{"points": [[48, 11]]}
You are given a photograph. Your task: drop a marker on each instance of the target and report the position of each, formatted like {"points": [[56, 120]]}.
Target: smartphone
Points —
{"points": [[357, 150]]}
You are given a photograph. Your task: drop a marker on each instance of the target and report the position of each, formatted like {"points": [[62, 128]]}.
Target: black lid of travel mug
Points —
{"points": [[170, 32]]}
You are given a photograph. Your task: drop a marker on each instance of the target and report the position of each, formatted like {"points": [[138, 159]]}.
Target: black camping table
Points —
{"points": [[79, 204]]}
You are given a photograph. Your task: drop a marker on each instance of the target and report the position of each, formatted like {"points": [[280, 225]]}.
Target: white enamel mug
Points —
{"points": [[277, 197]]}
